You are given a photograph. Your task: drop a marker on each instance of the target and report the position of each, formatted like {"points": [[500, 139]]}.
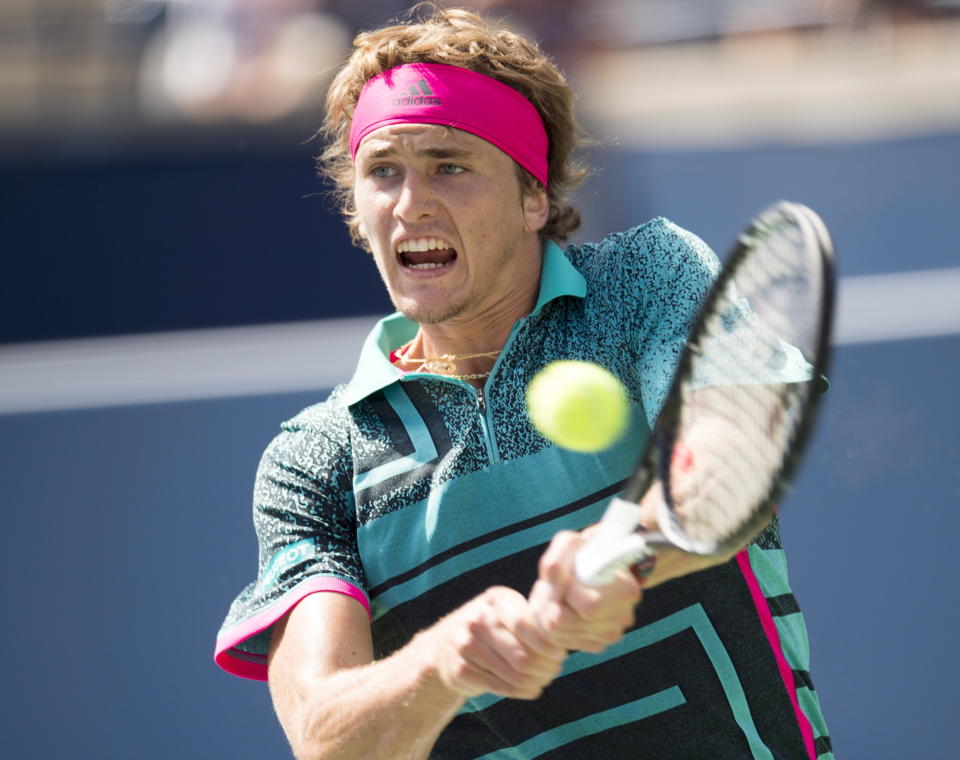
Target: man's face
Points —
{"points": [[443, 213]]}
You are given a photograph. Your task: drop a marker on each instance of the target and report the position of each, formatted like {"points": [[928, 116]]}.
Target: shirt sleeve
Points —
{"points": [[305, 522]]}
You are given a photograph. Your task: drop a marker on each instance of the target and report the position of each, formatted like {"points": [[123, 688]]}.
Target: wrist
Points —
{"points": [[424, 664]]}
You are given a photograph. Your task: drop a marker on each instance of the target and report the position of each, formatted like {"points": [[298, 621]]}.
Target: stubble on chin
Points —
{"points": [[429, 315], [434, 311]]}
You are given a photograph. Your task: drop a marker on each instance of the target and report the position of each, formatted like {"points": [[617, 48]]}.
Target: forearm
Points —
{"points": [[391, 709], [334, 701]]}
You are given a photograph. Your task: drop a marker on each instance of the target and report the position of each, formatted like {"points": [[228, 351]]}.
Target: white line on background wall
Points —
{"points": [[898, 306], [315, 356]]}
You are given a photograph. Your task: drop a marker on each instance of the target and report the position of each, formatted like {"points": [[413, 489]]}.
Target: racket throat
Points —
{"points": [[615, 545]]}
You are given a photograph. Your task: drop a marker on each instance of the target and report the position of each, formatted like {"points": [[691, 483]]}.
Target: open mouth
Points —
{"points": [[425, 254]]}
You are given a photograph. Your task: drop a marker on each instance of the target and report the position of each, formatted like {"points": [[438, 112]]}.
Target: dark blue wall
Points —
{"points": [[173, 239]]}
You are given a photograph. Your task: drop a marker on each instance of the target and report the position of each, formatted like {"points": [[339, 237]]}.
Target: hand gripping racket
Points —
{"points": [[741, 405]]}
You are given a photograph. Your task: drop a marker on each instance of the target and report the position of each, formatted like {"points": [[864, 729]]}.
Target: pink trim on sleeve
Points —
{"points": [[773, 637], [254, 666]]}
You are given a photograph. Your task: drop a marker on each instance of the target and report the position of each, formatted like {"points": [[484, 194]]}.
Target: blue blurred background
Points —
{"points": [[175, 284]]}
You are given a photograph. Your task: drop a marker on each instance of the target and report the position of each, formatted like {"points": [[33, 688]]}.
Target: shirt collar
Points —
{"points": [[558, 277]]}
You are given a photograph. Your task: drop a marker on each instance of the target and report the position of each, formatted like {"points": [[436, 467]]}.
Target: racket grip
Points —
{"points": [[616, 544]]}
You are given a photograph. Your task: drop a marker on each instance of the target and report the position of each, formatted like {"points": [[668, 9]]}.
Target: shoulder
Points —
{"points": [[316, 438], [324, 418], [647, 265], [657, 249]]}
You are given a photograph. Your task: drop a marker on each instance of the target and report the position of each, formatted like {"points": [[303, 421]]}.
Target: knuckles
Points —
{"points": [[521, 658], [461, 671]]}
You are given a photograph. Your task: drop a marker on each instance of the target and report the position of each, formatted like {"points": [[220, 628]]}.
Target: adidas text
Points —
{"points": [[419, 100]]}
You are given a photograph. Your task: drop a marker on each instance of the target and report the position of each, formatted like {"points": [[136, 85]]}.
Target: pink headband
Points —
{"points": [[437, 93]]}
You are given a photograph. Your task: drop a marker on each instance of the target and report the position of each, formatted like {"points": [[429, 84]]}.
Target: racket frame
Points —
{"points": [[620, 540]]}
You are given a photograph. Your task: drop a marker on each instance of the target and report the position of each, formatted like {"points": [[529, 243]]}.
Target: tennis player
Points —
{"points": [[414, 597]]}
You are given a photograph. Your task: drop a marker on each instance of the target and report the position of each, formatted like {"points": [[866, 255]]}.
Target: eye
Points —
{"points": [[383, 171], [451, 169]]}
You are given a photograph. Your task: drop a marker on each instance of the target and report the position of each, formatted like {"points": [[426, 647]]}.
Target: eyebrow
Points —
{"points": [[436, 153]]}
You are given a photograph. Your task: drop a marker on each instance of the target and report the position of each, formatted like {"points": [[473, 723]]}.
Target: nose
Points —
{"points": [[416, 200]]}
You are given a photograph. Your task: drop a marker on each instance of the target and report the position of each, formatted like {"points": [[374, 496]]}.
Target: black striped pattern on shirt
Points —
{"points": [[781, 606]]}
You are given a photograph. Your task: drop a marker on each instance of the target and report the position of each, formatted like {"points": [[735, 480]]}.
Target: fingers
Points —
{"points": [[508, 641], [575, 616], [504, 644], [589, 619], [556, 564], [491, 644]]}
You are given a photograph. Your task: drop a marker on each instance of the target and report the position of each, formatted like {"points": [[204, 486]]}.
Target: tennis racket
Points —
{"points": [[741, 405]]}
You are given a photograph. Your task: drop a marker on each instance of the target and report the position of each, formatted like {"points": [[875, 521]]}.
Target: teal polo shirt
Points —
{"points": [[413, 494]]}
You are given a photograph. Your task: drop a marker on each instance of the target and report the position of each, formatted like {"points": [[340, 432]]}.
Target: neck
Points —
{"points": [[468, 354], [464, 337], [489, 333]]}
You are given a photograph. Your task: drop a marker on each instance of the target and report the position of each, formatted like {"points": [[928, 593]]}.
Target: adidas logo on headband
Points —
{"points": [[418, 97]]}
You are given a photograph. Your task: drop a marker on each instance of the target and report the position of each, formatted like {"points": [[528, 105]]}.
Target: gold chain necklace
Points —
{"points": [[446, 364]]}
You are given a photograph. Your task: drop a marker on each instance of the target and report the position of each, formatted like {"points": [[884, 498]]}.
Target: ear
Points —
{"points": [[355, 224], [536, 208], [359, 235]]}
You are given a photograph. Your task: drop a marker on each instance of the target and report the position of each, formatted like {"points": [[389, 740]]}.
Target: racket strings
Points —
{"points": [[742, 391], [732, 460], [710, 498]]}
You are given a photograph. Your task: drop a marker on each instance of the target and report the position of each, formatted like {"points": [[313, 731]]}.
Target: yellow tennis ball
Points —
{"points": [[578, 405]]}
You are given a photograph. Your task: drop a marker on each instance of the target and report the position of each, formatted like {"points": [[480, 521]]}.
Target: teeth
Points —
{"points": [[428, 265], [421, 244]]}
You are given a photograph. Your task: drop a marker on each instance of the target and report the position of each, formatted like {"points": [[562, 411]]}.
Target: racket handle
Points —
{"points": [[616, 544]]}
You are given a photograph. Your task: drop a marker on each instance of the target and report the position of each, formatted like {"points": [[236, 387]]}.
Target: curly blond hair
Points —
{"points": [[459, 38]]}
